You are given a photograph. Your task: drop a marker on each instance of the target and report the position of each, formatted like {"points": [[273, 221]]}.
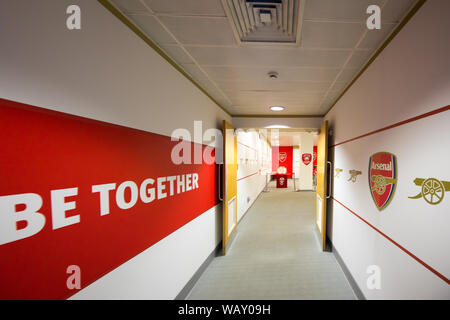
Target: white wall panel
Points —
{"points": [[254, 161], [409, 78]]}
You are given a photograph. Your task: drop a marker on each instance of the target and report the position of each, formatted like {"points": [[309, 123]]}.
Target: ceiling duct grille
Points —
{"points": [[265, 21]]}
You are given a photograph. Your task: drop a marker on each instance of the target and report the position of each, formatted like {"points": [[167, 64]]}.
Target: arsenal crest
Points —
{"points": [[282, 156], [382, 178], [306, 158]]}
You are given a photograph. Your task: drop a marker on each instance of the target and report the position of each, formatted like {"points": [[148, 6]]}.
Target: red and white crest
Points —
{"points": [[382, 178], [306, 158], [282, 156]]}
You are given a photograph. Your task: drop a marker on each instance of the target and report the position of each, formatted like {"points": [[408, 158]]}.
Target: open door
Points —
{"points": [[229, 184], [322, 183]]}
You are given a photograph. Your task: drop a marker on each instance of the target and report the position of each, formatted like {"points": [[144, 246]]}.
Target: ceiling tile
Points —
{"points": [[340, 85], [186, 7], [375, 38], [250, 74], [264, 56], [347, 75], [269, 99], [152, 29], [395, 10], [212, 90], [333, 95], [200, 30], [308, 74], [331, 34], [330, 99], [342, 10], [268, 84], [359, 59], [127, 6], [194, 71], [177, 54], [222, 101]]}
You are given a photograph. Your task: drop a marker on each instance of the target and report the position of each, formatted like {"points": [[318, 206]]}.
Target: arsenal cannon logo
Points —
{"points": [[382, 178]]}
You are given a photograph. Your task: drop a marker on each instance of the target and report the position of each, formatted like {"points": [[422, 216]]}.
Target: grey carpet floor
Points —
{"points": [[275, 255]]}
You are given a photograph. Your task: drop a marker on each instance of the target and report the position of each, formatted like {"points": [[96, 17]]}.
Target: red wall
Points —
{"points": [[44, 151], [280, 153]]}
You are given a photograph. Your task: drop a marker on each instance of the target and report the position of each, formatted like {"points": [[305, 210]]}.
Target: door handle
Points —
{"points": [[220, 182], [329, 180]]}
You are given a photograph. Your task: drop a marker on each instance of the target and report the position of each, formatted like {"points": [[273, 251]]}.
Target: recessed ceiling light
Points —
{"points": [[277, 108], [277, 126]]}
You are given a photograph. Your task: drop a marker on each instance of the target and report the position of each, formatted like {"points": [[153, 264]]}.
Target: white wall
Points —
{"points": [[409, 78], [105, 72], [254, 156]]}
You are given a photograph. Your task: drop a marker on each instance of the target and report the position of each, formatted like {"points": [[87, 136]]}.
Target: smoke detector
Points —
{"points": [[273, 75]]}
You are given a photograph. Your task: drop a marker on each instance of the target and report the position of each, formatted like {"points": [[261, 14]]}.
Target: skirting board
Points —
{"points": [[190, 284], [348, 275]]}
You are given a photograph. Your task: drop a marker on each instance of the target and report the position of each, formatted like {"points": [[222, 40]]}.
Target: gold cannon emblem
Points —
{"points": [[337, 172], [432, 191], [380, 183], [353, 175]]}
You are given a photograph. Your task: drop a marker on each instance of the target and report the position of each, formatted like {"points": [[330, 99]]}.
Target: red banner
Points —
{"points": [[75, 191]]}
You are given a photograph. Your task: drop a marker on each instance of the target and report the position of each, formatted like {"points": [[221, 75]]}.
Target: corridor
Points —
{"points": [[139, 136], [275, 255]]}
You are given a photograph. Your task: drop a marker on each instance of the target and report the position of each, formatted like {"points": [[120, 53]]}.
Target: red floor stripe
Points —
{"points": [[431, 113], [398, 245]]}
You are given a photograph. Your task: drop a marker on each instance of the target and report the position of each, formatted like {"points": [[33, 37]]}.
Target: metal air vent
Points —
{"points": [[265, 21]]}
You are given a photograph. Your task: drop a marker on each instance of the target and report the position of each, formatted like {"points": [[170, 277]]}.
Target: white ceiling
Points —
{"points": [[335, 44]]}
